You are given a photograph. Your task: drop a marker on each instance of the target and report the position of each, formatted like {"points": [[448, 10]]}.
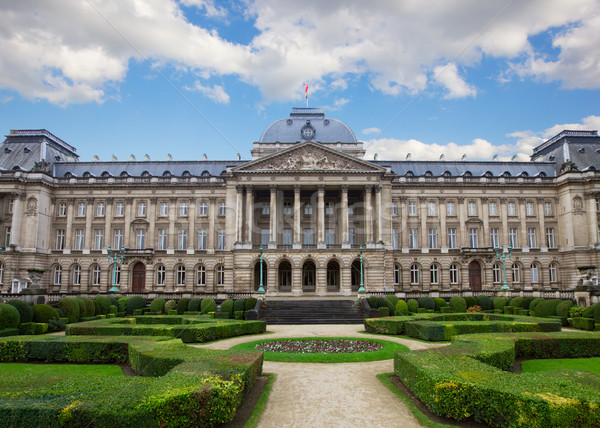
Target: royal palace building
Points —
{"points": [[308, 203]]}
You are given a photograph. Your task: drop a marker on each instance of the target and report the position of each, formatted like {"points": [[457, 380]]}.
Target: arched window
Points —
{"points": [[57, 275], [534, 273], [124, 174], [453, 274], [497, 274], [167, 174], [200, 275], [553, 272], [397, 274], [309, 275], [180, 275], [161, 274], [516, 273], [106, 174], [434, 274], [96, 275], [220, 275], [333, 276], [285, 276], [414, 274]]}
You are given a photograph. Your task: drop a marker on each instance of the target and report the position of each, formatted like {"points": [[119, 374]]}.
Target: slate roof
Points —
{"points": [[137, 168], [476, 168], [22, 148], [580, 147]]}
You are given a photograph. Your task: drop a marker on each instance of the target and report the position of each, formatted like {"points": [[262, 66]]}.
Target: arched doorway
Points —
{"points": [[285, 276], [309, 276], [139, 278], [475, 276], [355, 271], [257, 275], [333, 276]]}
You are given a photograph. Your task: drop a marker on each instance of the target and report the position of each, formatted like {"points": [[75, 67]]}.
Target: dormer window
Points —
{"points": [[552, 158], [26, 150], [581, 150], [7, 150], [56, 158]]}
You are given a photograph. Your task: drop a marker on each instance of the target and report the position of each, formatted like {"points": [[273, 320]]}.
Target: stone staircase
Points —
{"points": [[311, 312]]}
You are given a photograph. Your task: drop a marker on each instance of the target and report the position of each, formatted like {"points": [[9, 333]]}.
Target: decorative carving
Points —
{"points": [[31, 208], [42, 166], [578, 203]]}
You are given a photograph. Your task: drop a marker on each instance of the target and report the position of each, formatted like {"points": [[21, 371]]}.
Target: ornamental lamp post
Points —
{"points": [[502, 255], [260, 285], [361, 289], [114, 257]]}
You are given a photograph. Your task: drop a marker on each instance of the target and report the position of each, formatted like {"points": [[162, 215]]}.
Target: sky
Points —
{"points": [[190, 77]]}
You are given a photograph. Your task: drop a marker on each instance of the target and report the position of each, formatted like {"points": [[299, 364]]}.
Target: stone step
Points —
{"points": [[312, 312]]}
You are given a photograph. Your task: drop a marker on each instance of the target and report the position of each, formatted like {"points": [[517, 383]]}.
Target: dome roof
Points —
{"points": [[306, 124]]}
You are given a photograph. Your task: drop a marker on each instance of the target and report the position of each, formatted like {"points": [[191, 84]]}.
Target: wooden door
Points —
{"points": [[139, 277], [474, 276]]}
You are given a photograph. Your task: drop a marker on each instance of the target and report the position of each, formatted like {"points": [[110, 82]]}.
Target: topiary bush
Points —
{"points": [[426, 302], [182, 305], [104, 303], [499, 302], [122, 303], [44, 313], [250, 303], [562, 309], [381, 302], [526, 302], [384, 311], [392, 299], [90, 308], [458, 304], [401, 308], [372, 302], [208, 305], [112, 310], [9, 316], [24, 308], [413, 306], [239, 305], [170, 305], [471, 301], [546, 308], [515, 302], [158, 305], [439, 304], [97, 308], [575, 311], [70, 309], [194, 305], [82, 307], [133, 303], [597, 312], [485, 302], [534, 303], [227, 307]]}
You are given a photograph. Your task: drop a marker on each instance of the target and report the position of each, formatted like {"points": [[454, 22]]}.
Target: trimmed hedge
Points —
{"points": [[194, 305], [239, 305], [9, 316], [471, 301], [170, 305], [516, 302], [44, 313], [534, 303], [24, 308], [33, 328], [426, 302], [413, 306], [227, 307], [485, 302], [562, 309], [250, 303], [458, 304], [582, 323], [182, 305], [90, 308], [70, 308], [439, 304], [401, 308], [546, 308], [158, 305], [133, 303], [208, 305], [499, 302], [82, 307]]}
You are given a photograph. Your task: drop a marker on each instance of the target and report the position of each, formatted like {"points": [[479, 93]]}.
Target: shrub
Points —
{"points": [[24, 308], [426, 302], [194, 305], [133, 303], [9, 316], [372, 302], [475, 309], [158, 305], [499, 302], [401, 308], [413, 306], [588, 312], [82, 307], [471, 301], [44, 313], [122, 304], [575, 311], [208, 305], [227, 307], [384, 311], [170, 305], [458, 304], [392, 299], [70, 308], [182, 305], [534, 303], [56, 325], [104, 303], [597, 313], [381, 302], [33, 328], [515, 302], [439, 303], [239, 305], [526, 302], [114, 301], [485, 302], [89, 307], [562, 309], [582, 323], [112, 310], [546, 308], [250, 303]]}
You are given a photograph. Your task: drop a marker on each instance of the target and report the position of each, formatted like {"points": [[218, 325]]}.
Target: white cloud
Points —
{"points": [[368, 131], [447, 76], [209, 6], [216, 92]]}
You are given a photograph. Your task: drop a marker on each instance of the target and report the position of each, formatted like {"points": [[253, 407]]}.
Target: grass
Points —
{"points": [[261, 404], [384, 378], [384, 354], [588, 364], [65, 369]]}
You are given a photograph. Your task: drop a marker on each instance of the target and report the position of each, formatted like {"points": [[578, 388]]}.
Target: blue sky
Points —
{"points": [[188, 77]]}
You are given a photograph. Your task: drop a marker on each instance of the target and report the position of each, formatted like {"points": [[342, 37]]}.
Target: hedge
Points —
{"points": [[208, 305], [471, 301], [227, 307], [33, 328], [193, 305], [182, 305], [413, 306], [9, 316], [89, 307], [158, 305], [546, 308], [401, 308], [82, 307], [24, 308], [439, 303], [562, 309], [466, 380], [250, 303], [458, 304], [44, 313], [70, 309], [534, 303], [239, 305], [516, 302], [582, 323], [499, 302], [426, 302], [170, 305], [485, 302], [133, 303]]}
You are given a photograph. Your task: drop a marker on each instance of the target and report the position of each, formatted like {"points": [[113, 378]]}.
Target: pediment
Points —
{"points": [[309, 157]]}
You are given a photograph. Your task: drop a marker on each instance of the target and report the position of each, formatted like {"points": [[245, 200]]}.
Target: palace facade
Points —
{"points": [[310, 204]]}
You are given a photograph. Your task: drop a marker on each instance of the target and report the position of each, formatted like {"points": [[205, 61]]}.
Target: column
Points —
{"points": [[592, 218], [151, 228], [368, 215], [171, 234], [461, 233], [541, 236], [17, 217], [523, 241], [378, 213], [423, 217], [443, 235], [127, 226], [211, 227], [504, 241], [239, 214], [249, 214], [485, 239], [404, 222], [321, 216], [297, 233], [108, 215], [191, 244], [344, 222], [89, 213], [273, 217], [69, 231]]}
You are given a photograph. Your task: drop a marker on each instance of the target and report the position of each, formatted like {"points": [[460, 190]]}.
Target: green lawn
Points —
{"points": [[589, 364], [64, 369]]}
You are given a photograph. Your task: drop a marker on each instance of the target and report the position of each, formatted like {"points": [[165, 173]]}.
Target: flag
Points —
{"points": [[305, 90]]}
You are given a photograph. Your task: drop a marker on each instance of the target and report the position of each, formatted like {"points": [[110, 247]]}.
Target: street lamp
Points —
{"points": [[260, 285], [361, 289], [114, 257], [502, 255]]}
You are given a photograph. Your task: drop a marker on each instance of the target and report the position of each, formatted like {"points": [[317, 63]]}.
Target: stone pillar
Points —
{"points": [[17, 218], [296, 280], [297, 244], [504, 241], [424, 243], [249, 215], [368, 215], [108, 215], [151, 228], [404, 222], [321, 216], [89, 213], [191, 229], [273, 217], [69, 231], [378, 214], [171, 234], [344, 222], [541, 236], [127, 226], [486, 238], [443, 235], [211, 224], [592, 219], [239, 214], [461, 233], [522, 241]]}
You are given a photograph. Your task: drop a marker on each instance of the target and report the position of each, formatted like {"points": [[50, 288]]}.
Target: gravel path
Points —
{"points": [[332, 395]]}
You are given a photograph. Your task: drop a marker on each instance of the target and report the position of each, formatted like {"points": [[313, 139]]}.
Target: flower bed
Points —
{"points": [[339, 346]]}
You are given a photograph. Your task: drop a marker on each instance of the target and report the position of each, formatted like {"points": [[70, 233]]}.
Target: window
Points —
{"points": [[98, 239], [161, 275], [516, 273], [395, 243], [183, 209], [434, 274], [77, 275], [471, 208], [202, 208], [553, 273], [351, 208], [550, 237], [512, 237], [60, 239], [598, 204], [100, 209], [451, 237], [396, 274], [547, 208], [308, 208], [162, 239], [329, 208], [308, 237], [182, 239], [202, 239], [140, 238], [413, 238], [220, 239], [351, 236], [265, 236], [450, 208], [496, 272], [200, 275], [116, 275], [494, 239], [453, 274], [221, 208], [493, 208], [265, 210], [433, 237], [529, 208], [287, 237], [141, 209], [394, 208], [330, 237], [81, 209], [11, 204], [180, 275], [473, 241], [431, 208], [287, 208], [119, 209], [534, 273], [118, 239], [164, 209], [220, 275], [412, 208], [96, 275], [62, 210], [511, 208], [531, 237], [57, 275], [79, 239], [414, 274]]}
